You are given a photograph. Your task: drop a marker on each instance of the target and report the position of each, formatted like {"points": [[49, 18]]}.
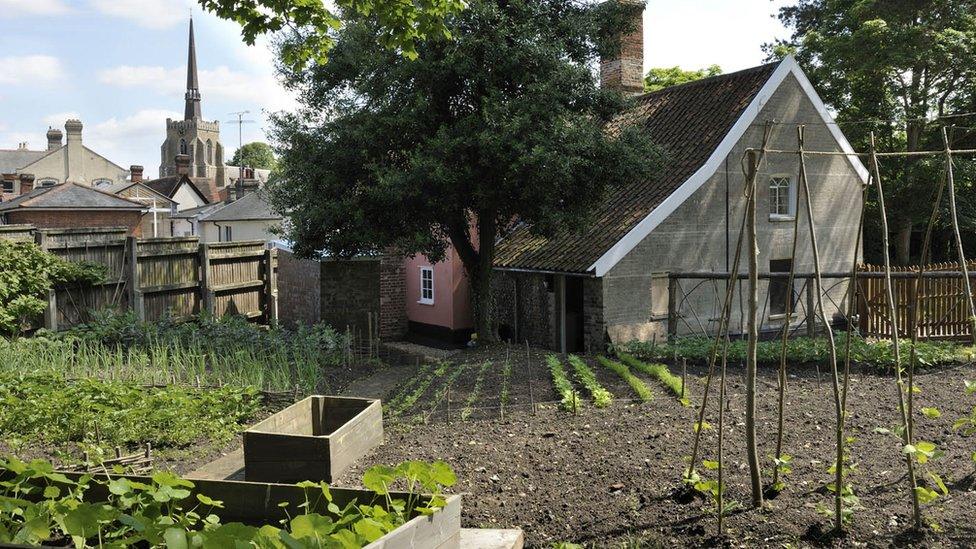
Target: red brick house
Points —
{"points": [[70, 205]]}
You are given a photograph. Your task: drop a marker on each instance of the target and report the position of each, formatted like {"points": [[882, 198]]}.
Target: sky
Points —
{"points": [[120, 66]]}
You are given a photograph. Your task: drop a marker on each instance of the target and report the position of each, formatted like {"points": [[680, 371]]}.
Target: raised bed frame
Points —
{"points": [[316, 438]]}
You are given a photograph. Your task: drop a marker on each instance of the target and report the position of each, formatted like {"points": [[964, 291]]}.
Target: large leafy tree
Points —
{"points": [[502, 124], [255, 155], [400, 24], [899, 68], [663, 77]]}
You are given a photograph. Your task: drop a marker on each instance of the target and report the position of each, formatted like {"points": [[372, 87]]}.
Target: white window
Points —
{"points": [[228, 234], [782, 197], [427, 285]]}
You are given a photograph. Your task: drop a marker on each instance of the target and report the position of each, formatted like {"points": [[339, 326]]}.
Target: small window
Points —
{"points": [[8, 186], [782, 198], [427, 285], [228, 234], [183, 147], [780, 293], [102, 183]]}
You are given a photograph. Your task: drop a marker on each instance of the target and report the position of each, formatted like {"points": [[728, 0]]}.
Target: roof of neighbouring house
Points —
{"points": [[12, 160], [253, 206], [69, 196], [116, 188], [167, 186], [696, 124]]}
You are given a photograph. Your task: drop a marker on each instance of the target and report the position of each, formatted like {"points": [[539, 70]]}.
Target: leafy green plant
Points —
{"points": [[28, 273], [851, 503], [38, 505], [711, 489], [967, 424], [661, 373], [601, 397], [636, 383], [475, 392], [569, 398], [784, 465], [803, 350]]}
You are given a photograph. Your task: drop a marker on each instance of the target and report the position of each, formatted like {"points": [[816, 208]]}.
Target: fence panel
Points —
{"points": [[168, 276], [17, 233], [235, 277], [943, 311]]}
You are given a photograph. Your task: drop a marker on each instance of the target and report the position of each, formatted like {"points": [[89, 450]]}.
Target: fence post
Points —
{"points": [[672, 307], [206, 294], [135, 295], [271, 286], [811, 315], [51, 311]]}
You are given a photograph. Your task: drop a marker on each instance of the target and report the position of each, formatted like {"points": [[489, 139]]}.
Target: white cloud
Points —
{"points": [[30, 69], [57, 120], [153, 14], [221, 82], [133, 139], [20, 8]]}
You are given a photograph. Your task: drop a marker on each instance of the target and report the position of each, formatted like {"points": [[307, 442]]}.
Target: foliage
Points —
{"points": [[601, 397], [228, 350], [504, 122], [894, 68], [40, 505], [255, 155], [416, 387], [850, 502], [805, 350], [28, 273], [784, 466], [91, 412], [636, 383], [475, 392], [661, 373], [567, 393], [967, 424], [400, 25], [659, 78]]}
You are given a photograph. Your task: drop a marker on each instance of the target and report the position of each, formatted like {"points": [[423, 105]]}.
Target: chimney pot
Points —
{"points": [[624, 71], [54, 139], [135, 172], [26, 183], [183, 164]]}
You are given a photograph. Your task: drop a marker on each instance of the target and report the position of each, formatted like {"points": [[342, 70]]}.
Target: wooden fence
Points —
{"points": [[156, 277], [943, 308]]}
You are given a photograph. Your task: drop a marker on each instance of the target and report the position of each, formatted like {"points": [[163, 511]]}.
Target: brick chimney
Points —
{"points": [[54, 136], [623, 70], [135, 173], [183, 164], [26, 183]]}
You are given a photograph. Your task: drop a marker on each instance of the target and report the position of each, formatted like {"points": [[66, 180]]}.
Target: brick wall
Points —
{"points": [[625, 70], [393, 295], [299, 290], [77, 219], [349, 290]]}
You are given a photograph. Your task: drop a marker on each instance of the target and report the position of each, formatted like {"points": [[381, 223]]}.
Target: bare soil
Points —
{"points": [[608, 476]]}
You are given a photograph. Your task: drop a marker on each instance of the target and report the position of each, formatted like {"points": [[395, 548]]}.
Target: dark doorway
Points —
{"points": [[781, 295], [574, 314]]}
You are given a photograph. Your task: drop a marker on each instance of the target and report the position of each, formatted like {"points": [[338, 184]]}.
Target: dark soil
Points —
{"points": [[608, 476]]}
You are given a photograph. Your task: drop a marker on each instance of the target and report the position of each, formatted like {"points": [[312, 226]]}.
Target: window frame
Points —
{"points": [[228, 233], [5, 188], [426, 275], [791, 197]]}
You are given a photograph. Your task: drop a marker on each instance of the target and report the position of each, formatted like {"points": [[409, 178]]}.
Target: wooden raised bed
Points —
{"points": [[316, 438]]}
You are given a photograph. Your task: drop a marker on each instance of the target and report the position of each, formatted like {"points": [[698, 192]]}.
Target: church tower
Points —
{"points": [[193, 136]]}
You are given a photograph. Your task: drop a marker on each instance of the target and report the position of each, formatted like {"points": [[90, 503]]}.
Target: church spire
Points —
{"points": [[192, 110]]}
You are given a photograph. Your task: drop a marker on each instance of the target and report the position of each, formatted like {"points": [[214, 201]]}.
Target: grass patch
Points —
{"points": [[601, 397], [636, 383], [567, 393], [661, 373]]}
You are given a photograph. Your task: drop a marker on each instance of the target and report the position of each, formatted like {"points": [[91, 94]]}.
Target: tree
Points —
{"points": [[255, 155], [672, 76], [899, 69], [400, 24], [503, 124]]}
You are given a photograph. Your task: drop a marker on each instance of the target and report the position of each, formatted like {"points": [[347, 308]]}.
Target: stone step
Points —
{"points": [[488, 538]]}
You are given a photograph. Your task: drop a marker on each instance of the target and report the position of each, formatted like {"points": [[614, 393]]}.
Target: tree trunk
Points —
{"points": [[903, 242], [478, 261]]}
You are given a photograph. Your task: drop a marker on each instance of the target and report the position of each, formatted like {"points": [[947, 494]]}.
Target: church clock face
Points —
{"points": [[181, 130]]}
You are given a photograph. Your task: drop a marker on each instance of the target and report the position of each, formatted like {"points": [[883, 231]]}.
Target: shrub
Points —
{"points": [[638, 385], [601, 396], [28, 273]]}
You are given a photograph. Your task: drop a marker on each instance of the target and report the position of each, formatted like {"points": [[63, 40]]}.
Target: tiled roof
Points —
{"points": [[168, 185], [12, 160], [688, 122], [69, 196], [253, 206]]}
